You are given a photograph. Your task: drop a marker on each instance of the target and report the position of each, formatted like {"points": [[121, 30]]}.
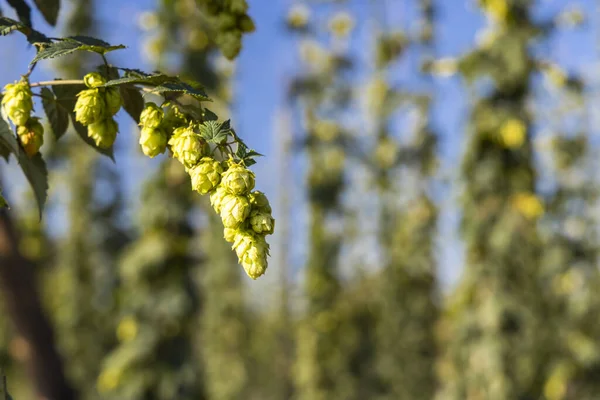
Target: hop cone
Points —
{"points": [[187, 146], [259, 201], [262, 222], [113, 101], [152, 116], [173, 119], [234, 210], [93, 80], [153, 141], [229, 234], [217, 197], [206, 175], [104, 132], [238, 179], [32, 136], [17, 102], [90, 106], [252, 251]]}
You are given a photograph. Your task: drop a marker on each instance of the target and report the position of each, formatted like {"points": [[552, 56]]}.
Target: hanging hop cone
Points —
{"points": [[259, 201], [262, 222], [173, 119], [31, 136], [187, 146], [93, 80], [153, 141], [104, 132], [217, 197], [18, 102], [252, 251], [152, 116], [114, 101], [238, 179], [90, 106], [234, 210], [206, 175]]}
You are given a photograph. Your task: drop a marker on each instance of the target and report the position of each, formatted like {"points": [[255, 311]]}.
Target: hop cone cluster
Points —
{"points": [[18, 103], [153, 137], [95, 108]]}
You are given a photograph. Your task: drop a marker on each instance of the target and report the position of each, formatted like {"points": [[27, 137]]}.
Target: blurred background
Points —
{"points": [[432, 167]]}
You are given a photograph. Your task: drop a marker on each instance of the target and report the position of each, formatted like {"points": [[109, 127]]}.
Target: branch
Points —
{"points": [[58, 83]]}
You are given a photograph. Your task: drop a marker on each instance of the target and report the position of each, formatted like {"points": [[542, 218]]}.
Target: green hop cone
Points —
{"points": [[153, 141], [90, 107], [206, 175], [259, 201], [114, 101], [152, 116], [31, 136], [187, 146], [104, 132], [234, 210], [262, 222], [93, 80], [217, 197], [230, 234], [252, 251], [238, 179], [18, 102], [173, 119]]}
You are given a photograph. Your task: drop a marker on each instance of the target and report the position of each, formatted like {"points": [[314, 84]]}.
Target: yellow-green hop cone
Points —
{"points": [[173, 119], [238, 179], [152, 116], [217, 197], [17, 101], [93, 80], [259, 201], [230, 234], [114, 101], [206, 175], [90, 107], [104, 132], [234, 210], [31, 136], [153, 141], [262, 222], [252, 251], [187, 146]]}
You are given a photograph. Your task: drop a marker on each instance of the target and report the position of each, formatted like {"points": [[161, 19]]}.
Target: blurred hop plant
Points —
{"points": [[497, 9], [187, 146], [127, 329], [104, 132], [513, 133], [341, 24], [206, 175], [298, 16], [17, 102], [528, 204], [31, 136]]}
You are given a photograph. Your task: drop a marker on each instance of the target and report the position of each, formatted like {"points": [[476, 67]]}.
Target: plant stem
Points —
{"points": [[58, 82]]}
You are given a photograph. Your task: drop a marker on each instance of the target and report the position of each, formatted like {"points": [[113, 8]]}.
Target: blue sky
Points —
{"points": [[268, 60]]}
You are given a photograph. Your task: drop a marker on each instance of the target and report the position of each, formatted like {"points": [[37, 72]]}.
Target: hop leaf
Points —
{"points": [[90, 106], [152, 116], [153, 141], [187, 146], [206, 175], [238, 179], [234, 210], [103, 133], [93, 80], [32, 136], [18, 102], [114, 101]]}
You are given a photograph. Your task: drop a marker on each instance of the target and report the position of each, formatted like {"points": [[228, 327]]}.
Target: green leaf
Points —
{"points": [[83, 134], [152, 79], [34, 168], [182, 88], [8, 25], [212, 132], [208, 115], [133, 101], [49, 9], [57, 114], [23, 10], [69, 45]]}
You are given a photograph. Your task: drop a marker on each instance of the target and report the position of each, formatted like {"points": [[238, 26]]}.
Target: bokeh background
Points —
{"points": [[432, 167]]}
